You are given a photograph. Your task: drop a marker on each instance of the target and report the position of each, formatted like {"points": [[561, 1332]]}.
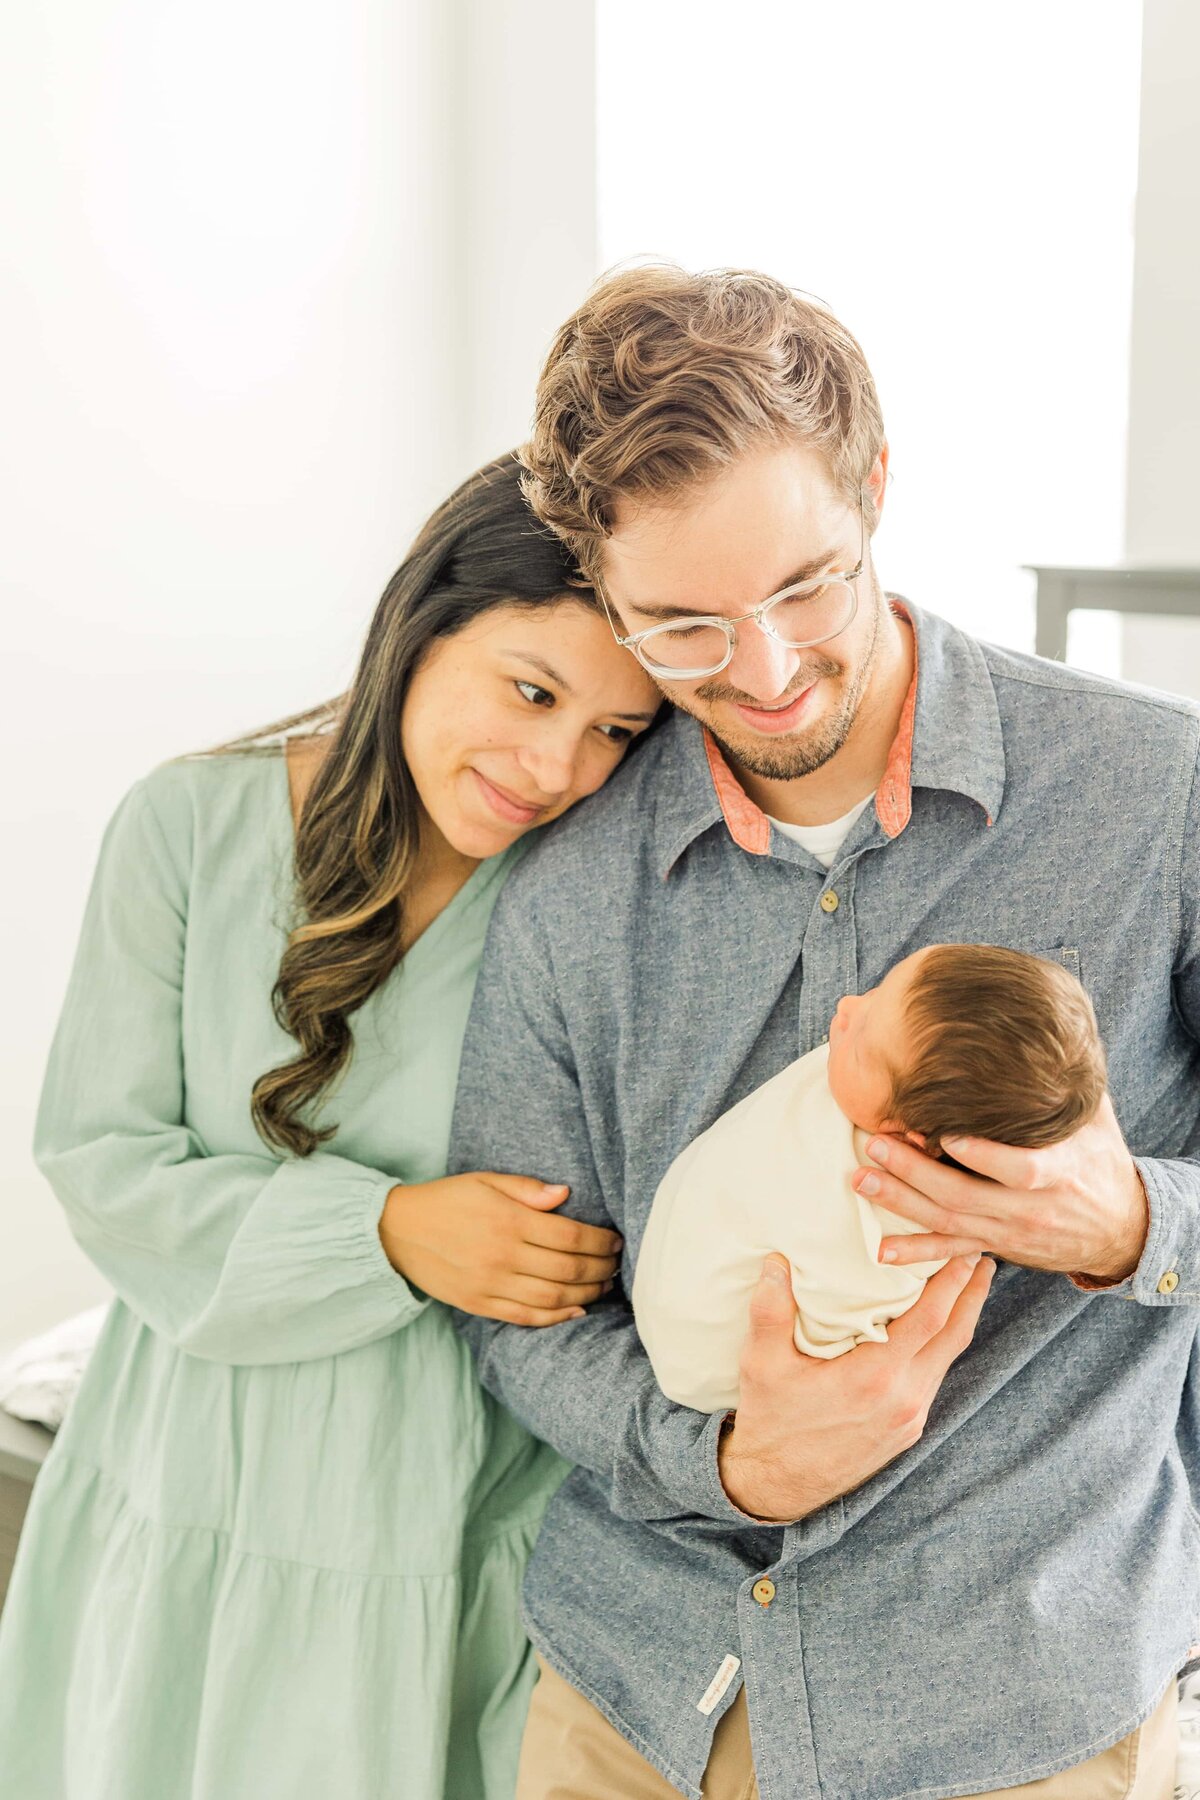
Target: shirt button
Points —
{"points": [[1169, 1282], [764, 1591], [829, 901]]}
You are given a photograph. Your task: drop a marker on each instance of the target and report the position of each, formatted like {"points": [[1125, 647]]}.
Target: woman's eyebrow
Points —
{"points": [[806, 571], [641, 718]]}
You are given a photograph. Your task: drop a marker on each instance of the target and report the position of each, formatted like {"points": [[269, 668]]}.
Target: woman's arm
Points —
{"points": [[237, 1258]]}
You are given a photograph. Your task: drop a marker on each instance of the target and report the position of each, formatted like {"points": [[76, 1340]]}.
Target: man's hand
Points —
{"points": [[1078, 1207], [808, 1430]]}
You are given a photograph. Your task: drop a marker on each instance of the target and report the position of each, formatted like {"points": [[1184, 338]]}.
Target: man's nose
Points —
{"points": [[762, 667]]}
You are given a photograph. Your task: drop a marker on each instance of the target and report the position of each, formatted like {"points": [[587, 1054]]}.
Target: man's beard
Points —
{"points": [[787, 758]]}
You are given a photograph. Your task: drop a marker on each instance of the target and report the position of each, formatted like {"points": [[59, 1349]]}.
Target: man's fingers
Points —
{"points": [[924, 1247], [903, 1165], [959, 1329], [914, 1329], [772, 1305]]}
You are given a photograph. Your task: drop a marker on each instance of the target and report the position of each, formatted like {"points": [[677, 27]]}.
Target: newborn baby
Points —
{"points": [[959, 1040]]}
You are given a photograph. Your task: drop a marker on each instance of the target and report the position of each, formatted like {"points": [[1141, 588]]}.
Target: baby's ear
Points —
{"points": [[919, 1141]]}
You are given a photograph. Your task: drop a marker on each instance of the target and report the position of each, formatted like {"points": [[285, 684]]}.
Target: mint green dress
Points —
{"points": [[276, 1549]]}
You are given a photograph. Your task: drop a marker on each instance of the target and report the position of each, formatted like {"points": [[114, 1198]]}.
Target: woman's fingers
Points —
{"points": [[531, 1291], [564, 1266], [570, 1236], [511, 1312], [527, 1189]]}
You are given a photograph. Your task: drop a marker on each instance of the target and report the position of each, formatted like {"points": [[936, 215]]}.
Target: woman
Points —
{"points": [[276, 1549]]}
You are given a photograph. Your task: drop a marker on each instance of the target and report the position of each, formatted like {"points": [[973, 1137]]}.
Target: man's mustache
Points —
{"points": [[720, 690]]}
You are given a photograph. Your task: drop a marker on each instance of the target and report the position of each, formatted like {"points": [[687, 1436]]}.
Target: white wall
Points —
{"points": [[1162, 517], [274, 278], [957, 183]]}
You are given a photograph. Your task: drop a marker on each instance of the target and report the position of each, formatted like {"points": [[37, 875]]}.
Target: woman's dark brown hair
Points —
{"points": [[356, 842]]}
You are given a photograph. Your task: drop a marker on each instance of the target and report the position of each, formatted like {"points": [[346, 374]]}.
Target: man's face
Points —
{"points": [[773, 518]]}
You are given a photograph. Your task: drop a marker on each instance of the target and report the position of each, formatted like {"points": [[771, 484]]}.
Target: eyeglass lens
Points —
{"points": [[797, 620]]}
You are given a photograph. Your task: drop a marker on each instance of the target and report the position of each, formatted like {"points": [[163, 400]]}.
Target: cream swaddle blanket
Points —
{"points": [[773, 1173]]}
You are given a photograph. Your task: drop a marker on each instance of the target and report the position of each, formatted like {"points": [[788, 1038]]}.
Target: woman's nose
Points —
{"points": [[551, 764]]}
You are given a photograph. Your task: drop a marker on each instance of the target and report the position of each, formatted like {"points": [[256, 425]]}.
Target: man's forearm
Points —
{"points": [[587, 1389]]}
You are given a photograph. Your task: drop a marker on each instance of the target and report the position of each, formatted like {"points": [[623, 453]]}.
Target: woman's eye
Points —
{"points": [[536, 696], [618, 734]]}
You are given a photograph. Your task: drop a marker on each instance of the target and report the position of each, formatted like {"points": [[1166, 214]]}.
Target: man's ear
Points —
{"points": [[877, 481]]}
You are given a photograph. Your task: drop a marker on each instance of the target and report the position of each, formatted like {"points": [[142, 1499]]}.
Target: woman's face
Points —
{"points": [[516, 717]]}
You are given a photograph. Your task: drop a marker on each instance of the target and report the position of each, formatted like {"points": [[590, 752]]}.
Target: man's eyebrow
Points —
{"points": [[818, 566], [642, 718]]}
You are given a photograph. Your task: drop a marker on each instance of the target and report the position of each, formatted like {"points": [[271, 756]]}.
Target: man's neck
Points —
{"points": [[857, 769]]}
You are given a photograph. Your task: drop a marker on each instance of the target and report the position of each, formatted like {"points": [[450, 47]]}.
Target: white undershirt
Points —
{"points": [[823, 841]]}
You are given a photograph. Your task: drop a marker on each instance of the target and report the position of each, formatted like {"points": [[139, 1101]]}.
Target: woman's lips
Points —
{"points": [[512, 810], [776, 720]]}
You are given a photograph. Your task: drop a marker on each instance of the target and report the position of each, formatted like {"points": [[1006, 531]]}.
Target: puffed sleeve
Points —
{"points": [[235, 1258]]}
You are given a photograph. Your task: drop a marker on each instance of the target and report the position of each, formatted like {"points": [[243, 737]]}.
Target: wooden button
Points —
{"points": [[829, 901], [764, 1591], [1169, 1282]]}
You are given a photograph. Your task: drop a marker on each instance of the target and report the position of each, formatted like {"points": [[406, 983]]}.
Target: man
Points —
{"points": [[966, 1560]]}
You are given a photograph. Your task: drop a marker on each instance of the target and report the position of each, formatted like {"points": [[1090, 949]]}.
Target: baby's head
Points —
{"points": [[968, 1040]]}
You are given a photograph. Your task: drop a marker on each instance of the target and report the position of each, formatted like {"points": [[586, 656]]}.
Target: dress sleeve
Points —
{"points": [[235, 1258]]}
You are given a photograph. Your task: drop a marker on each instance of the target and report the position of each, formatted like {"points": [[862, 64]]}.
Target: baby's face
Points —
{"points": [[867, 1043]]}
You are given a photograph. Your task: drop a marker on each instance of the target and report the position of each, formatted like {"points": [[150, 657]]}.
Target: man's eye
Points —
{"points": [[679, 634], [536, 696]]}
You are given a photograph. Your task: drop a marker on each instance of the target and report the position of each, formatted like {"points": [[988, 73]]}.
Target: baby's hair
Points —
{"points": [[1002, 1045]]}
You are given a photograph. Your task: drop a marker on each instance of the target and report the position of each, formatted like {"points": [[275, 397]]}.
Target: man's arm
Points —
{"points": [[585, 1386], [806, 1430], [1086, 1208]]}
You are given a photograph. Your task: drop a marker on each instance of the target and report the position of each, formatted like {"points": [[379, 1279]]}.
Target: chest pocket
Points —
{"points": [[1068, 957]]}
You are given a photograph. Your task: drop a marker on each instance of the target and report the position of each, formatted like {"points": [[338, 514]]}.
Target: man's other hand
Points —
{"points": [[808, 1430]]}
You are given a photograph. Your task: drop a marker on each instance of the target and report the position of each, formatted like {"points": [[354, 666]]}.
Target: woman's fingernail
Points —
{"points": [[868, 1184], [555, 1187], [774, 1271], [888, 1255], [955, 1145], [878, 1150]]}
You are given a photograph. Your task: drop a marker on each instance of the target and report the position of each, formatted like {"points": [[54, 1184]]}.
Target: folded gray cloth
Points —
{"points": [[38, 1380]]}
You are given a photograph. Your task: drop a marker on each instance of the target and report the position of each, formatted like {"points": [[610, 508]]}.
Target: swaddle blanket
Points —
{"points": [[773, 1173], [39, 1378]]}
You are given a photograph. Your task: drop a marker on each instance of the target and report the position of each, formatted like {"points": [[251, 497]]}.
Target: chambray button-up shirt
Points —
{"points": [[1012, 1594]]}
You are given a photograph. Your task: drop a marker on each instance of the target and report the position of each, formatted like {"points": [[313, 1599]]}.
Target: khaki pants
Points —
{"points": [[571, 1752]]}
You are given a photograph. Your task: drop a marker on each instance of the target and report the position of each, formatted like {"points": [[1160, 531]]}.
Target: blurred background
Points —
{"points": [[276, 276]]}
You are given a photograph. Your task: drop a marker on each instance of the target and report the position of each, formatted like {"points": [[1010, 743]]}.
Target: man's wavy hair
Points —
{"points": [[663, 378]]}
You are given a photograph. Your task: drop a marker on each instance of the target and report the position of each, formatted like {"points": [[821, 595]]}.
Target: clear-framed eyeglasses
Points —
{"points": [[800, 616]]}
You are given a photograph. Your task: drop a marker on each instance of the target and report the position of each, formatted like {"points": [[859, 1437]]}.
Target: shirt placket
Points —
{"points": [[830, 955]]}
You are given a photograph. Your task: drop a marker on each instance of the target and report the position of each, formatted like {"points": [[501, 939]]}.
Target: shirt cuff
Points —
{"points": [[1159, 1279]]}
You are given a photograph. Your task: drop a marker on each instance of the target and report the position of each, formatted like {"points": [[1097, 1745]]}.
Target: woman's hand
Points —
{"points": [[490, 1244]]}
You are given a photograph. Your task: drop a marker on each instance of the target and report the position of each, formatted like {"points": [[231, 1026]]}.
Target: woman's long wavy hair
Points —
{"points": [[357, 838]]}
